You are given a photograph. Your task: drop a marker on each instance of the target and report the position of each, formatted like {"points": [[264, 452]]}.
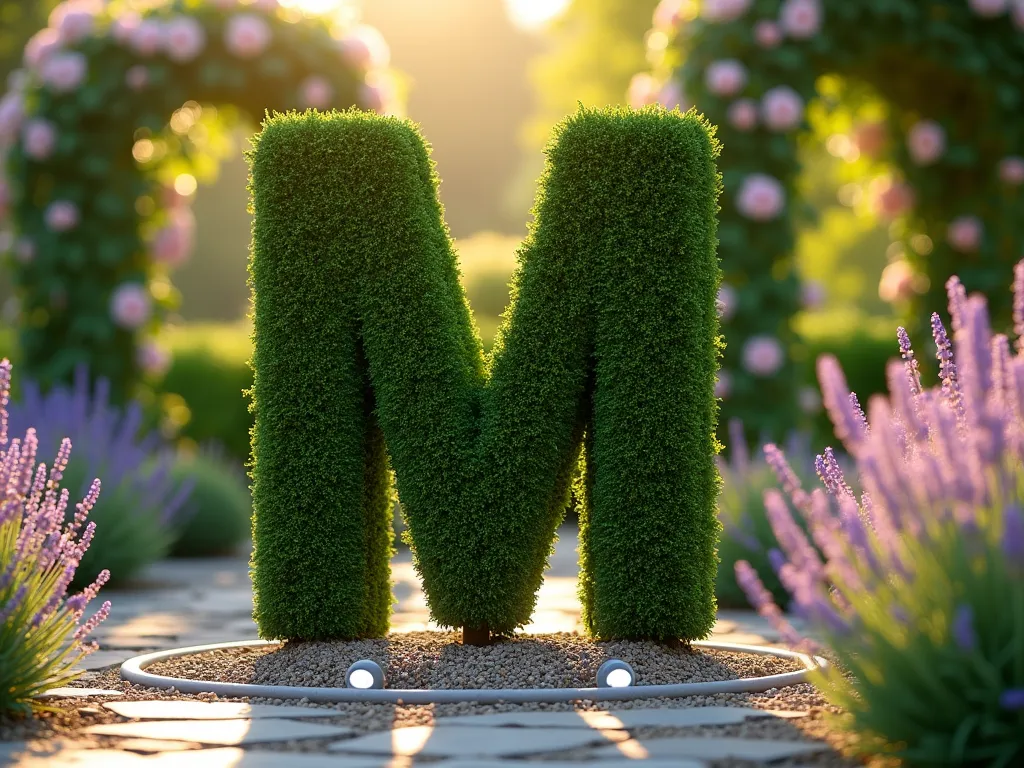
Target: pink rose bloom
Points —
{"points": [[768, 34], [40, 47], [668, 14], [898, 283], [184, 39], [800, 19], [25, 251], [174, 242], [725, 77], [762, 355], [742, 114], [130, 306], [364, 47], [122, 29], [926, 142], [812, 294], [74, 20], [1011, 170], [61, 216], [137, 77], [39, 138], [378, 93], [720, 11], [761, 197], [64, 71], [12, 114], [965, 233], [726, 301], [5, 199], [782, 108], [870, 138], [809, 400], [147, 39], [643, 90], [152, 358], [891, 199], [988, 8], [247, 35], [316, 92], [671, 95], [723, 385]]}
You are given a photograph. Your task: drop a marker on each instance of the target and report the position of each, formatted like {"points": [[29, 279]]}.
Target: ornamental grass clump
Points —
{"points": [[918, 590], [41, 627]]}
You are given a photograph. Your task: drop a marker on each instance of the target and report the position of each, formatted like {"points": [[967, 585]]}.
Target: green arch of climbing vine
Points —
{"points": [[927, 94], [365, 348], [98, 182]]}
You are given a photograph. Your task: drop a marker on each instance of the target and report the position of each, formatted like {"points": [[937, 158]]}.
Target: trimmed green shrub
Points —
{"points": [[217, 516], [362, 331]]}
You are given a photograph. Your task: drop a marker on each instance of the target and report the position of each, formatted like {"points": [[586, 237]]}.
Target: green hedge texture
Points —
{"points": [[362, 333]]}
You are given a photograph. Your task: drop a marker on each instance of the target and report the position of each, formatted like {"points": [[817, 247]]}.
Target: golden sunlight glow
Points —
{"points": [[316, 7], [532, 15]]}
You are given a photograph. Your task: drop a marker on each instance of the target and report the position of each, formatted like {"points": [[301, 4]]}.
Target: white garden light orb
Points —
{"points": [[615, 673], [364, 675]]}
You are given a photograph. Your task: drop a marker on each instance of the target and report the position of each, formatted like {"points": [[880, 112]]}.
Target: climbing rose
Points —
{"points": [[926, 142], [870, 138], [719, 11], [62, 215], [184, 39], [723, 384], [12, 113], [40, 47], [768, 34], [1011, 170], [898, 282], [1017, 13], [123, 27], [725, 77], [137, 77], [782, 108], [643, 90], [173, 243], [668, 14], [364, 47], [891, 199], [147, 38], [726, 302], [130, 306], [800, 19], [762, 355], [74, 21], [671, 95], [742, 114], [153, 358], [761, 197], [988, 8], [316, 92], [64, 71], [247, 35], [965, 233], [39, 138], [378, 93]]}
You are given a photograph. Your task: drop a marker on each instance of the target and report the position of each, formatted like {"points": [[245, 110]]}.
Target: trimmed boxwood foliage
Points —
{"points": [[363, 332], [216, 518]]}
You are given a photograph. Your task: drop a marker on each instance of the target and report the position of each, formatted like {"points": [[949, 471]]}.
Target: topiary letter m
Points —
{"points": [[365, 351]]}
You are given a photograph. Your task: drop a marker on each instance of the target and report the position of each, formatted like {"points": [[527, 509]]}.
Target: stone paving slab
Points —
{"points": [[249, 758], [712, 748], [464, 741], [621, 762], [620, 719], [77, 693], [74, 758], [221, 732], [214, 710], [155, 746], [104, 659]]}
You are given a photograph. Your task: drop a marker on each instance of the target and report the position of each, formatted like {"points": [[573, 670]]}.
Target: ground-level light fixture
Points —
{"points": [[364, 674], [615, 673]]}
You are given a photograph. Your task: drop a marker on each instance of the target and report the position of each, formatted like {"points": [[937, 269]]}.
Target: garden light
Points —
{"points": [[615, 673], [365, 674]]}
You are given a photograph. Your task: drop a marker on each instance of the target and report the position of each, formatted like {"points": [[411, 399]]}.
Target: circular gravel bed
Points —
{"points": [[438, 661]]}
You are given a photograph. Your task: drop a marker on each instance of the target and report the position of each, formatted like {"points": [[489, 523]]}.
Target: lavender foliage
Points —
{"points": [[919, 588], [41, 628], [141, 499]]}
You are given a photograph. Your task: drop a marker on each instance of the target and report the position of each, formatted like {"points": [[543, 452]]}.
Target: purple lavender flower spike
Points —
{"points": [[1018, 304], [836, 396], [957, 297], [761, 599], [859, 412], [947, 366], [776, 459], [909, 361], [962, 628], [1013, 536], [738, 453], [1012, 699]]}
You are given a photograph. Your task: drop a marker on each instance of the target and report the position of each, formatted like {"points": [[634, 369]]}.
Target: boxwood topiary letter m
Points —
{"points": [[366, 352]]}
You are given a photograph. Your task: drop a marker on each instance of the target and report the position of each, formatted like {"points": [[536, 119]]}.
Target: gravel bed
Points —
{"points": [[436, 660]]}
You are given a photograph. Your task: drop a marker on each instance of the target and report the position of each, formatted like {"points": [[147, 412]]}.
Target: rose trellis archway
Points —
{"points": [[946, 155], [119, 109]]}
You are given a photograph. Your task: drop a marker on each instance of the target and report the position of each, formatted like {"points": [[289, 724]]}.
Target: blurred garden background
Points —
{"points": [[487, 80]]}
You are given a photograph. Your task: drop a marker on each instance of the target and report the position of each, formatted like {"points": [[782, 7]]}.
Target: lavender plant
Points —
{"points": [[917, 585], [142, 500], [746, 533], [41, 627]]}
